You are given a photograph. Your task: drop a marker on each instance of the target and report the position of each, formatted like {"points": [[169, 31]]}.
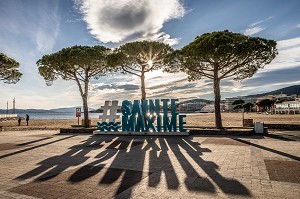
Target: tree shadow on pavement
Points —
{"points": [[123, 162], [51, 167], [128, 166], [269, 149]]}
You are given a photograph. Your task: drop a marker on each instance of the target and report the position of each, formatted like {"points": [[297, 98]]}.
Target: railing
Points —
{"points": [[286, 109], [8, 115]]}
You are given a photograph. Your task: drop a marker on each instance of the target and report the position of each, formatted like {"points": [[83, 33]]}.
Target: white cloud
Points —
{"points": [[253, 30], [122, 20], [288, 55], [261, 21], [48, 28], [281, 72], [41, 28], [255, 27], [298, 25], [162, 37]]}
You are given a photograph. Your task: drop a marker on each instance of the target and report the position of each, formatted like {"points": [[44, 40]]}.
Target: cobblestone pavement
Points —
{"points": [[44, 164]]}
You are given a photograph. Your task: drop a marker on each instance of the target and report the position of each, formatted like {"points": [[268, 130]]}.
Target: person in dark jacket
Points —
{"points": [[19, 121], [27, 119]]}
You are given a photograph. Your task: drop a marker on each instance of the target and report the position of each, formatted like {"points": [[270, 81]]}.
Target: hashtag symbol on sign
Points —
{"points": [[109, 111]]}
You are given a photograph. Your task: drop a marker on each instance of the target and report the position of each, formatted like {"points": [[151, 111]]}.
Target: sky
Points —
{"points": [[30, 29]]}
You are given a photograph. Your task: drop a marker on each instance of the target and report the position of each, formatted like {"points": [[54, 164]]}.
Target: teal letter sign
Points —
{"points": [[145, 115]]}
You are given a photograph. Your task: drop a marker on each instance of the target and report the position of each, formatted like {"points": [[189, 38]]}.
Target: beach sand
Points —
{"points": [[202, 119]]}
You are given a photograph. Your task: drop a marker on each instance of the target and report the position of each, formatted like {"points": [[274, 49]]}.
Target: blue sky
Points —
{"points": [[31, 28]]}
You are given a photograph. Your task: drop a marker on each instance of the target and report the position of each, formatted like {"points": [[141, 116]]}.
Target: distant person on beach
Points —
{"points": [[27, 119], [19, 121]]}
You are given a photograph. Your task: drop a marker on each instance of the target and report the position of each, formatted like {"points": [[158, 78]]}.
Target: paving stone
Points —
{"points": [[44, 165], [285, 171]]}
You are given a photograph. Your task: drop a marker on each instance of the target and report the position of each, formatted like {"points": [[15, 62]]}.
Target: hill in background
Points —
{"points": [[290, 90], [196, 101]]}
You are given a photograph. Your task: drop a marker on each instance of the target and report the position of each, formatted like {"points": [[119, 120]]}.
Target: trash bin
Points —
{"points": [[259, 127]]}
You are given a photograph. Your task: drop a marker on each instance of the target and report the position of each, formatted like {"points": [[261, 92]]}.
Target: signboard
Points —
{"points": [[145, 115], [78, 112], [158, 116]]}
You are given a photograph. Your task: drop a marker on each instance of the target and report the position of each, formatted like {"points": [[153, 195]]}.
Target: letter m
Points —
{"points": [[128, 123]]}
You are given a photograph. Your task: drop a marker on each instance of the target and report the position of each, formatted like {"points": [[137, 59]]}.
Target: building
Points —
{"points": [[222, 106], [191, 107], [209, 108], [284, 101], [288, 107]]}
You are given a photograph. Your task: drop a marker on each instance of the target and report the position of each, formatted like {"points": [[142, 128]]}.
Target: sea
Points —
{"points": [[48, 116], [64, 115]]}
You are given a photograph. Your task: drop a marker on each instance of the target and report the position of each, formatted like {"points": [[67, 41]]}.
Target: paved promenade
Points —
{"points": [[42, 164]]}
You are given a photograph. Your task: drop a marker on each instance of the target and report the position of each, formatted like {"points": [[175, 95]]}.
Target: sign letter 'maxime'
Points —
{"points": [[142, 116]]}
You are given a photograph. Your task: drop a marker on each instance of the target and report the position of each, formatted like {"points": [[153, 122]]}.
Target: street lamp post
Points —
{"points": [[14, 105]]}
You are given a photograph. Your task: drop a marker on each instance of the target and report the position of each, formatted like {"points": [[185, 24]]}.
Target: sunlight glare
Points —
{"points": [[150, 62]]}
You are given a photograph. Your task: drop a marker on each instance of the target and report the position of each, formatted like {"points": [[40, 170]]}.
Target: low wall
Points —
{"points": [[209, 131], [233, 131], [283, 126], [77, 130], [8, 116]]}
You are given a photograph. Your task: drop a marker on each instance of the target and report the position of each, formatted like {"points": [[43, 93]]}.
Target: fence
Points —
{"points": [[8, 115]]}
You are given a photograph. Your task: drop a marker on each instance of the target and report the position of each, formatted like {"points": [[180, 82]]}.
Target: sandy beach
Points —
{"points": [[205, 120]]}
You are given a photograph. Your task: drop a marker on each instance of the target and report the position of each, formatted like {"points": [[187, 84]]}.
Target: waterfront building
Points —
{"points": [[191, 107], [288, 107], [209, 108]]}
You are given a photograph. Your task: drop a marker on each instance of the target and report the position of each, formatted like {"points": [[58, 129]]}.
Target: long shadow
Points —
{"points": [[34, 141], [283, 137], [230, 186], [35, 147], [96, 166], [269, 149], [279, 137], [129, 163], [121, 165], [133, 173], [198, 183], [193, 181], [159, 162], [127, 155], [57, 164]]}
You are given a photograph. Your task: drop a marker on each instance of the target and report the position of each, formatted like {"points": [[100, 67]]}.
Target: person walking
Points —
{"points": [[27, 119], [19, 121]]}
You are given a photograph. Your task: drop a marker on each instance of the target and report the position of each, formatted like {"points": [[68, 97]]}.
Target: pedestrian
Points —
{"points": [[27, 119], [19, 121]]}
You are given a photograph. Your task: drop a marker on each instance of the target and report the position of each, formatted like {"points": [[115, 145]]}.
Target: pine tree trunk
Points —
{"points": [[85, 111], [217, 93], [143, 88], [84, 96], [85, 105]]}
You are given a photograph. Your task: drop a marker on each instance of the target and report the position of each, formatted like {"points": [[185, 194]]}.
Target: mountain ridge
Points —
{"points": [[289, 90]]}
